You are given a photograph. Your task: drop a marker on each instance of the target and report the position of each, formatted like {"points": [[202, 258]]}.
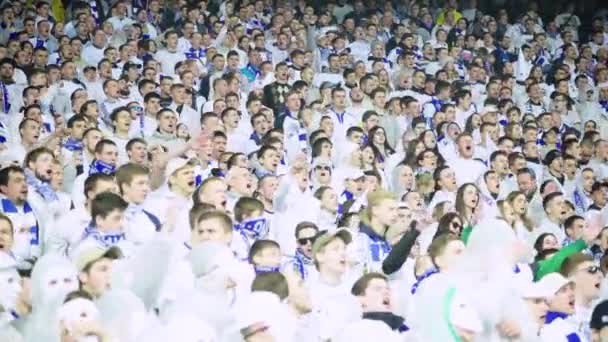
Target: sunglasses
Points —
{"points": [[136, 108], [305, 241], [591, 269]]}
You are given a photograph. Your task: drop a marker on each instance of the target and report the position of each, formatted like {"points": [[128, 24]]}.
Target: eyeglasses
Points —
{"points": [[305, 241]]}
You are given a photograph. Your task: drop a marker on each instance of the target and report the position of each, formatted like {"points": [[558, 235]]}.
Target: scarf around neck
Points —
{"points": [[43, 188]]}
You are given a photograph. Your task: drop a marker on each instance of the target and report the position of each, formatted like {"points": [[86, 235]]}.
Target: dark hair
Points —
{"points": [[261, 245], [362, 283], [445, 223], [105, 203], [274, 282], [5, 173], [91, 182]]}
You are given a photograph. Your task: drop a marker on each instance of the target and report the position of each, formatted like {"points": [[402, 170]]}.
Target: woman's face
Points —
{"points": [[550, 242], [419, 148], [520, 203], [406, 177], [326, 150], [508, 213], [470, 197], [476, 121], [455, 226], [429, 160], [429, 140], [379, 138], [368, 155], [182, 132]]}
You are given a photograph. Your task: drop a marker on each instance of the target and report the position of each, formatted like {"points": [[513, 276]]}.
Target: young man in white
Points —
{"points": [[13, 201], [134, 183], [106, 156], [169, 56], [67, 230], [329, 254]]}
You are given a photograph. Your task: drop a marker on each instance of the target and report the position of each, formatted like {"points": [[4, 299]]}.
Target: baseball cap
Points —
{"points": [[173, 165], [552, 282], [599, 317], [539, 289], [94, 253], [324, 238], [354, 174]]}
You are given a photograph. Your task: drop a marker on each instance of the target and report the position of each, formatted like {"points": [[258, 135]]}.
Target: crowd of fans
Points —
{"points": [[301, 171]]}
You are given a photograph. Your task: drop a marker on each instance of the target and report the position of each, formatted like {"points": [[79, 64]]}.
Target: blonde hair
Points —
{"points": [[373, 200]]}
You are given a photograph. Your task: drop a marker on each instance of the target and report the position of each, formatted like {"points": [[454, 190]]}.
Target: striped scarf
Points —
{"points": [[43, 188], [106, 239], [11, 210], [301, 262], [99, 166], [73, 145]]}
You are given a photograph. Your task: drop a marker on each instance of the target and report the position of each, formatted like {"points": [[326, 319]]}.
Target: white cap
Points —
{"points": [[174, 165], [551, 283], [353, 174]]}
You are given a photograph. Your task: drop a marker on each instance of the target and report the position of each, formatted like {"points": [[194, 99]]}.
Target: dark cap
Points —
{"points": [[599, 317]]}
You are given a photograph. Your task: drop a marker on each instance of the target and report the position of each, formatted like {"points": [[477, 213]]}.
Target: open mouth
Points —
{"points": [[597, 285], [224, 203], [36, 136], [571, 303], [49, 172], [2, 245], [191, 183], [386, 302]]}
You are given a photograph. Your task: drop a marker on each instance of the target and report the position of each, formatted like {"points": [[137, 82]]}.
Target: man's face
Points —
{"points": [[113, 222], [42, 167], [183, 179], [305, 239], [333, 256], [377, 296], [91, 139], [98, 278], [123, 121], [241, 181], [30, 132], [268, 257], [41, 57], [270, 160], [137, 190], [16, 189], [564, 300], [215, 194], [167, 122], [108, 155], [465, 147], [587, 279], [138, 153], [6, 244], [526, 183], [447, 180], [210, 230]]}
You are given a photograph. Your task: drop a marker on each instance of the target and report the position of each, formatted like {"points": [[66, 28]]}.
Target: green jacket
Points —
{"points": [[554, 263]]}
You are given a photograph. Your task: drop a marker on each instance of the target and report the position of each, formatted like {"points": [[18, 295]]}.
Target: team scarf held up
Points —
{"points": [[42, 187], [105, 239], [99, 166], [252, 229]]}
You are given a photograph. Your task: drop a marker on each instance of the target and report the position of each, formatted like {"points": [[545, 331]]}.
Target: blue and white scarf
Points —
{"points": [[9, 208], [265, 269], [43, 188], [6, 106], [422, 278], [106, 239], [301, 263], [252, 229], [379, 248], [99, 166], [73, 145]]}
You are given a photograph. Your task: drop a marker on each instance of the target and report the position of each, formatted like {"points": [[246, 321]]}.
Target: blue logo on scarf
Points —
{"points": [[99, 166], [254, 228]]}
